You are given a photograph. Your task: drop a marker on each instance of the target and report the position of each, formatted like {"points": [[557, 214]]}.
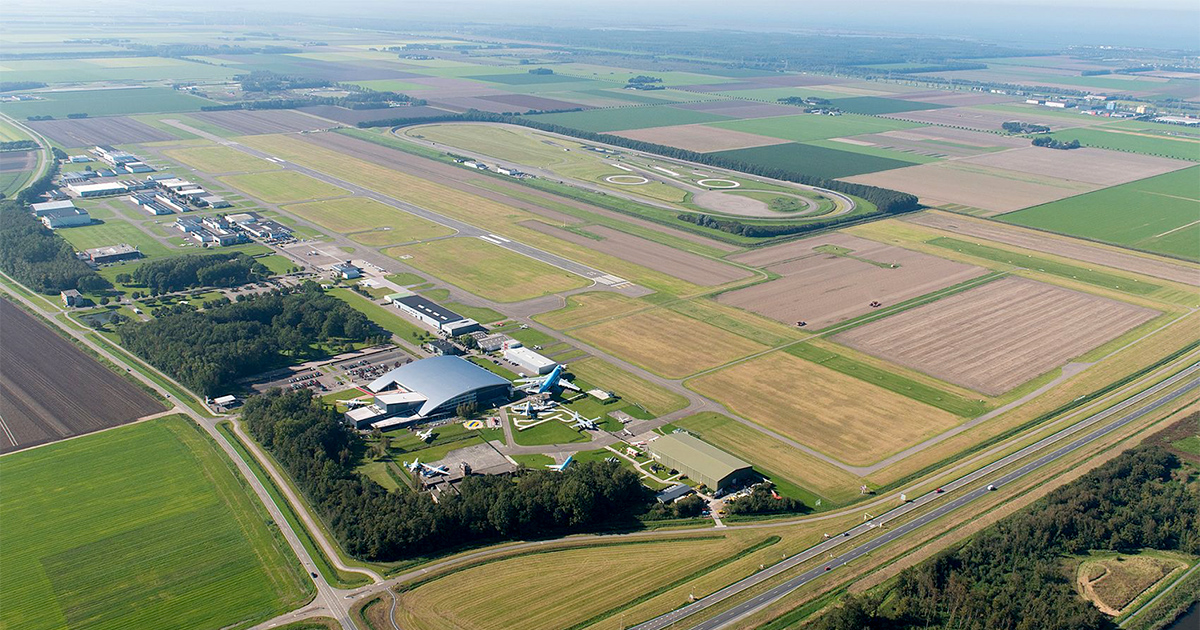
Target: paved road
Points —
{"points": [[1124, 415]]}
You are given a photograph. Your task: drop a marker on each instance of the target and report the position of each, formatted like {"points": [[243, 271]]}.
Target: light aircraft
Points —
{"points": [[425, 469], [563, 466], [547, 383], [531, 407], [425, 436], [582, 422]]}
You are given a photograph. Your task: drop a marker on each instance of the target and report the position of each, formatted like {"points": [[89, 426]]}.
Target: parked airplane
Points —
{"points": [[531, 408], [547, 383], [425, 469], [425, 436], [582, 422], [563, 466]]}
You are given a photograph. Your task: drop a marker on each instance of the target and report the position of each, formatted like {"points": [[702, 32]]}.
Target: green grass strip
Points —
{"points": [[1063, 270], [647, 596], [792, 618]]}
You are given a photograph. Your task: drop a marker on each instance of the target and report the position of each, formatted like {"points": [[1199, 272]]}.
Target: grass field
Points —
{"points": [[487, 270], [221, 159], [114, 69], [841, 416], [588, 308], [1114, 582], [632, 389], [104, 102], [144, 526], [1158, 214], [601, 120], [549, 432], [390, 319], [113, 232], [818, 161], [804, 127], [874, 105], [283, 186], [358, 214], [668, 343], [1110, 137]]}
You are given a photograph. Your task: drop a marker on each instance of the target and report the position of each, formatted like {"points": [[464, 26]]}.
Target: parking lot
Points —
{"points": [[323, 377]]}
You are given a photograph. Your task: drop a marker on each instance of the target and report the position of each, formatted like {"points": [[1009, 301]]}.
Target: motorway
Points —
{"points": [[1190, 382]]}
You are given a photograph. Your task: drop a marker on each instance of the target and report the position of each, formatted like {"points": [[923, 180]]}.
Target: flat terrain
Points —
{"points": [[673, 262], [805, 127], [88, 132], [997, 336], [630, 388], [283, 186], [1122, 579], [701, 138], [1071, 248], [488, 270], [588, 308], [50, 390], [603, 120], [668, 343], [1094, 166], [1148, 139], [841, 416], [824, 288], [260, 122], [220, 159], [1159, 214], [140, 527], [374, 222], [987, 119], [118, 102], [830, 162]]}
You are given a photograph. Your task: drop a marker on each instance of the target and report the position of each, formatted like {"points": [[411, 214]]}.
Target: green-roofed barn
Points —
{"points": [[699, 460]]}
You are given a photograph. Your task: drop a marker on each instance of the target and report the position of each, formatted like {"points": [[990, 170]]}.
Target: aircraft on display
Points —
{"points": [[425, 469], [425, 436], [591, 424], [563, 466], [530, 408], [547, 383]]}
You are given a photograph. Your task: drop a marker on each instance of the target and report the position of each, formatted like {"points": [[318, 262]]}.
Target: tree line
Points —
{"points": [[320, 453], [196, 270], [210, 350], [39, 258], [1016, 574], [1051, 143]]}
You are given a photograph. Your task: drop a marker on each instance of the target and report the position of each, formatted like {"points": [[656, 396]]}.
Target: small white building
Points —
{"points": [[529, 360]]}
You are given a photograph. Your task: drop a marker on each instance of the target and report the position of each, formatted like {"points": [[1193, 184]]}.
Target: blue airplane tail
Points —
{"points": [[551, 380]]}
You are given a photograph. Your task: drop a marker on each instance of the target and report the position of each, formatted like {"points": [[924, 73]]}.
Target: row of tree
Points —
{"points": [[38, 258], [1016, 574], [210, 350], [320, 453], [18, 145], [166, 275], [1051, 143]]}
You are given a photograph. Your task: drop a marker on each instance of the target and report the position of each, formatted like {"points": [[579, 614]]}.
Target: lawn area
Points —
{"points": [[668, 343], [601, 120], [114, 69], [357, 214], [481, 314], [548, 432], [145, 526], [487, 270], [820, 161], [389, 318], [632, 389], [114, 232], [1159, 214], [221, 159], [278, 265], [103, 102], [841, 416], [283, 186], [804, 127]]}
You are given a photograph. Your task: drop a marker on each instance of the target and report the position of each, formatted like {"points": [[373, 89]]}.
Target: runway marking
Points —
{"points": [[491, 240], [500, 238]]}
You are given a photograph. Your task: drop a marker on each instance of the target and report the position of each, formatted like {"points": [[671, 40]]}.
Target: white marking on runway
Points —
{"points": [[499, 238]]}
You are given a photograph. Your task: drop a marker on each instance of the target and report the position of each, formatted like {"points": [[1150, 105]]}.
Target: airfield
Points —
{"points": [[845, 365]]}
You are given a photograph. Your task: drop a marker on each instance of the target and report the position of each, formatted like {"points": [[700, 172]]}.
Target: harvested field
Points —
{"points": [[632, 389], [986, 119], [524, 102], [756, 83], [995, 337], [668, 343], [841, 416], [49, 390], [355, 116], [673, 262], [942, 141], [823, 289], [88, 132], [700, 138], [993, 190], [589, 308], [954, 99], [740, 109], [1070, 248], [18, 161], [253, 123], [1094, 166]]}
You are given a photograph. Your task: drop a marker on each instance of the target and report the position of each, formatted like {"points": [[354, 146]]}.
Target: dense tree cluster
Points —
{"points": [[320, 453], [198, 270], [353, 100], [1051, 143], [18, 145], [267, 81], [16, 86], [39, 186], [761, 230], [1013, 575], [210, 350], [1016, 126], [687, 507], [38, 258], [764, 500]]}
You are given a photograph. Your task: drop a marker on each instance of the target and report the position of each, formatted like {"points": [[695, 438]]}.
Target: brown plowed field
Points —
{"points": [[49, 390], [18, 161], [673, 262], [88, 132], [1094, 166], [824, 289], [1070, 248], [700, 137], [995, 337], [253, 123]]}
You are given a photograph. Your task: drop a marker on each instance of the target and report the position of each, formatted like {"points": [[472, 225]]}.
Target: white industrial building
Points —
{"points": [[527, 359], [66, 217], [40, 209], [98, 190]]}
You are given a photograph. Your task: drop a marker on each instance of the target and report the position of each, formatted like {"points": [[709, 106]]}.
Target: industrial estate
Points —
{"points": [[364, 327]]}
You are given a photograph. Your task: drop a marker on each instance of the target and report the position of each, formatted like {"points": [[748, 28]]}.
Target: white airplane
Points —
{"points": [[425, 469], [582, 422], [425, 436], [563, 466], [547, 383], [531, 408]]}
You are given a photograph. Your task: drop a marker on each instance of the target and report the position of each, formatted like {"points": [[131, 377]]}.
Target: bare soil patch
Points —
{"points": [[86, 132], [673, 262], [1094, 166], [999, 335], [700, 137], [1070, 248], [18, 161], [824, 289], [983, 119], [253, 123], [954, 99], [50, 390]]}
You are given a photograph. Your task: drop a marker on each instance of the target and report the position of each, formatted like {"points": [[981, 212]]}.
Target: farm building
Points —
{"points": [[428, 388], [40, 209], [66, 217], [112, 253], [699, 460], [98, 190], [527, 359], [434, 315]]}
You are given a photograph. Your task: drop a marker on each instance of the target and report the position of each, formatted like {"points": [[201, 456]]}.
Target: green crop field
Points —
{"points": [[221, 159], [524, 78], [803, 127], [874, 105], [487, 270], [113, 232], [283, 186], [111, 69], [601, 120], [817, 161], [1159, 214], [105, 102], [357, 214], [1106, 137], [145, 526]]}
